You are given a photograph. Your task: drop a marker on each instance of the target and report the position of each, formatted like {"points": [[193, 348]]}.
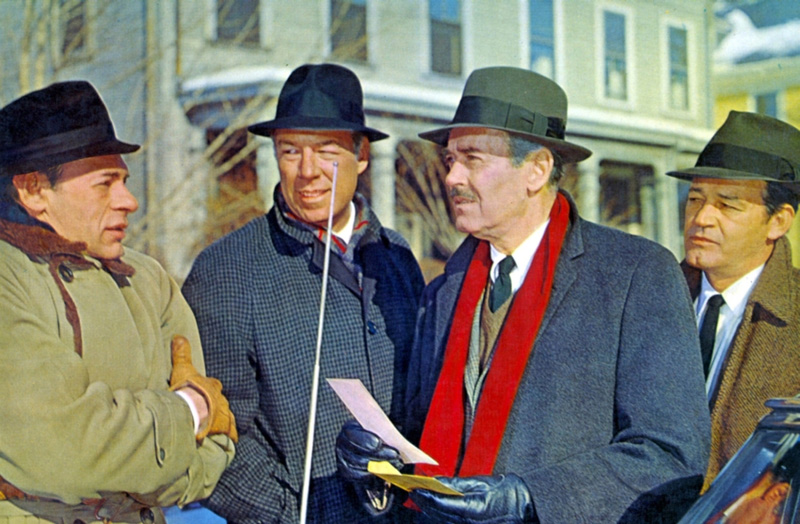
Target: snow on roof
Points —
{"points": [[746, 42]]}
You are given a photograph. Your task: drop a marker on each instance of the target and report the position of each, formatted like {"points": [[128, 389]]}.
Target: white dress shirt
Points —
{"points": [[523, 256], [730, 316]]}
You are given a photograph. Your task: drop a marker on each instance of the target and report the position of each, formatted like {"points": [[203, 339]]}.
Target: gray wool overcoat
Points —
{"points": [[610, 421]]}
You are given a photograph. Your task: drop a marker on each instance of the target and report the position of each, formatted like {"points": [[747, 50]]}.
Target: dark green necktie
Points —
{"points": [[501, 289]]}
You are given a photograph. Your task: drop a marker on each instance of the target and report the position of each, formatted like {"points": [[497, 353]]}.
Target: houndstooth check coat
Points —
{"points": [[256, 295]]}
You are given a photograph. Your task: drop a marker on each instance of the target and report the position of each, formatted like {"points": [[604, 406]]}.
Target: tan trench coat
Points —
{"points": [[100, 425], [763, 361]]}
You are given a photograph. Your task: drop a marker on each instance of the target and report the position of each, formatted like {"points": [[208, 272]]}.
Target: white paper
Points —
{"points": [[372, 418]]}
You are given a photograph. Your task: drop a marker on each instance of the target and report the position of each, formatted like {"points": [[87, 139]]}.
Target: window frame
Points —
{"points": [[87, 51], [369, 23], [668, 23], [266, 37], [627, 13]]}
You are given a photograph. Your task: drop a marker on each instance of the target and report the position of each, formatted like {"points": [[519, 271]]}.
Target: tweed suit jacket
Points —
{"points": [[256, 295], [763, 360], [609, 422]]}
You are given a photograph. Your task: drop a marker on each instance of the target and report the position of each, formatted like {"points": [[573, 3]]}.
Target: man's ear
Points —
{"points": [[780, 222], [363, 155], [30, 188], [539, 165]]}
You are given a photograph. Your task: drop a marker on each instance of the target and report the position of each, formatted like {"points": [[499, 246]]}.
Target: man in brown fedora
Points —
{"points": [[256, 294], [741, 203], [555, 374], [104, 417]]}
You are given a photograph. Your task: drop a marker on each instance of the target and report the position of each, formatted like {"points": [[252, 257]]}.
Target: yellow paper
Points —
{"points": [[390, 474]]}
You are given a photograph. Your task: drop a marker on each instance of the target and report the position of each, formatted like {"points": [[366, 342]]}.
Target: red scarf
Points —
{"points": [[444, 426]]}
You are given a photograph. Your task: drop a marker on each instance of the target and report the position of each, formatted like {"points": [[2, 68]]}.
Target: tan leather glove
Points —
{"points": [[9, 491], [220, 419]]}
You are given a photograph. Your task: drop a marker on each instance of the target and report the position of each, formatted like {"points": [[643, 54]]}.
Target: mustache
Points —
{"points": [[461, 192]]}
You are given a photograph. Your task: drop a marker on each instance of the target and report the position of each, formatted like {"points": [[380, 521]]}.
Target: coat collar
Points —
{"points": [[772, 292], [43, 244]]}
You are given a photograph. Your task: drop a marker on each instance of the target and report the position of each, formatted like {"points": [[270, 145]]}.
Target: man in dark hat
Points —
{"points": [[741, 204], [104, 417], [554, 374], [256, 294]]}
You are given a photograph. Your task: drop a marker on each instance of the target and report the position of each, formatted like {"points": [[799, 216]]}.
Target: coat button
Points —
{"points": [[371, 327], [66, 273], [147, 516], [162, 453]]}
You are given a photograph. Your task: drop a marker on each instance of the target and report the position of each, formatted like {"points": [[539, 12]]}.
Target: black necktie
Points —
{"points": [[708, 331], [501, 289]]}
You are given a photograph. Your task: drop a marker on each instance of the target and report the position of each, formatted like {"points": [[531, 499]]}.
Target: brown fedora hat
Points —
{"points": [[749, 146], [63, 122], [320, 96], [517, 101]]}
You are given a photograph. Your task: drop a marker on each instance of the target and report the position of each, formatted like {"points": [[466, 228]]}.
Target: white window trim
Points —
{"points": [[600, 53], [666, 24]]}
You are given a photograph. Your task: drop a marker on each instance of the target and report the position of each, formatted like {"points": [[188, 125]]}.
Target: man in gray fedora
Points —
{"points": [[555, 374], [256, 294], [102, 415], [741, 203]]}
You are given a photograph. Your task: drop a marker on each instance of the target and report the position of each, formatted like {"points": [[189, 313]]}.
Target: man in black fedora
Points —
{"points": [[554, 374], [741, 203], [104, 417], [256, 294]]}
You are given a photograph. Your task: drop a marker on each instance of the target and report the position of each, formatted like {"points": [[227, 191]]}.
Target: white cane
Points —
{"points": [[312, 413]]}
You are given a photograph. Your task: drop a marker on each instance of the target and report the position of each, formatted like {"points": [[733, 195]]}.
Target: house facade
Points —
{"points": [[185, 78]]}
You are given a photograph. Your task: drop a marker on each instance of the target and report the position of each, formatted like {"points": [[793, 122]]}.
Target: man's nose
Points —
{"points": [[704, 216], [456, 175], [308, 163], [124, 199]]}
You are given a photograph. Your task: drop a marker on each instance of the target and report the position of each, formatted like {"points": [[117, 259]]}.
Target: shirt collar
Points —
{"points": [[523, 256], [735, 295], [346, 233]]}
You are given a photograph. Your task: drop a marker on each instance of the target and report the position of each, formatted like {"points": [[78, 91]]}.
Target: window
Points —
{"points": [[238, 21], [74, 20], [616, 74], [767, 104], [541, 37], [627, 199], [349, 29], [678, 68], [445, 36]]}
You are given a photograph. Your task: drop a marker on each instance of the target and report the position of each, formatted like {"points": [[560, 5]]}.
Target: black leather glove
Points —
{"points": [[355, 448], [497, 499]]}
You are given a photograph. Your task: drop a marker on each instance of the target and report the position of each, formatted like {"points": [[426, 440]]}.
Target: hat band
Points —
{"points": [[485, 111], [728, 156], [59, 143]]}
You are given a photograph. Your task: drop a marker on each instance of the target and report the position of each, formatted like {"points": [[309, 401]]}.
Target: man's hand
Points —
{"points": [[220, 420], [355, 448], [495, 499]]}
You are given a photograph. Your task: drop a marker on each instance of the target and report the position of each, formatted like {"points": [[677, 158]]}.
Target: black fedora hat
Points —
{"points": [[517, 101], [63, 122], [749, 146], [320, 96]]}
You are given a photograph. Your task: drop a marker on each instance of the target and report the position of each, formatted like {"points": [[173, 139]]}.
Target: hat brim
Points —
{"points": [[26, 164], [308, 123], [725, 174], [568, 151]]}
